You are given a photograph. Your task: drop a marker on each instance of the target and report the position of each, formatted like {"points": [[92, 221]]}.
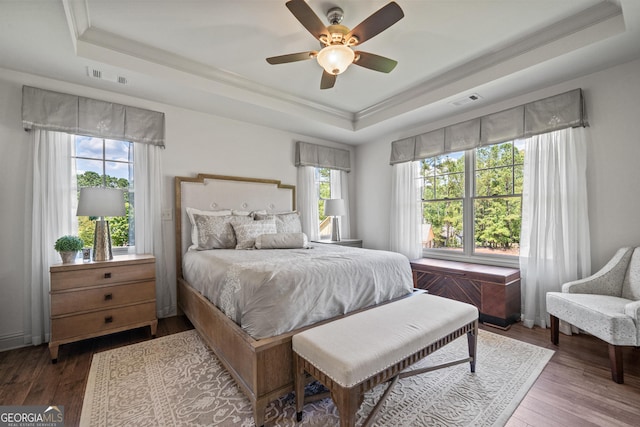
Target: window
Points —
{"points": [[472, 201], [323, 185], [108, 163]]}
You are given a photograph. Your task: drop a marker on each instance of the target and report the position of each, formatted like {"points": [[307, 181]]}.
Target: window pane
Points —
{"points": [[89, 173], [494, 155], [518, 173], [450, 186], [428, 189], [116, 150], [443, 177], [494, 182], [497, 225], [87, 146], [442, 225], [117, 174]]}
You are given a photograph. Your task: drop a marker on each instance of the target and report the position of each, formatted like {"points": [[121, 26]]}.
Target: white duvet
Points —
{"points": [[270, 292]]}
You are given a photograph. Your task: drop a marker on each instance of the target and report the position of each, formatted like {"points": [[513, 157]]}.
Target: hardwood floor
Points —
{"points": [[575, 388]]}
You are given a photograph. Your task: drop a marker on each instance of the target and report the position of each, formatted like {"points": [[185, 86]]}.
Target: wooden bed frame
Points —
{"points": [[262, 368]]}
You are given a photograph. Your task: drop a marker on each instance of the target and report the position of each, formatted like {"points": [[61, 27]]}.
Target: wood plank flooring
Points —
{"points": [[575, 388]]}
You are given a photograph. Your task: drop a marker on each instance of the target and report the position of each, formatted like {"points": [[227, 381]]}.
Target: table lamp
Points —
{"points": [[101, 202], [334, 208]]}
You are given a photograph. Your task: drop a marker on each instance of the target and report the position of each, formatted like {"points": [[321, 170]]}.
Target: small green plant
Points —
{"points": [[68, 244]]}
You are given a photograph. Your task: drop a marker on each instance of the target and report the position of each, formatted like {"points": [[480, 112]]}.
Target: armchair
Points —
{"points": [[605, 304]]}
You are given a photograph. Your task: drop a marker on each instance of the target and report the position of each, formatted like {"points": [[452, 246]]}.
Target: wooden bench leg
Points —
{"points": [[347, 402], [615, 360], [472, 340], [555, 329]]}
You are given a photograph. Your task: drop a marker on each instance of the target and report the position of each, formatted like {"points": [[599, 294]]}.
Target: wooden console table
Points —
{"points": [[495, 291]]}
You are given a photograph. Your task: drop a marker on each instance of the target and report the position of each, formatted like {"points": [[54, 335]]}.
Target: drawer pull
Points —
{"points": [[108, 319], [107, 275], [108, 297]]}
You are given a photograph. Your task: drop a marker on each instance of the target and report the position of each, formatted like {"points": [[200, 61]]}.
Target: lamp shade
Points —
{"points": [[335, 58], [100, 201], [334, 207]]}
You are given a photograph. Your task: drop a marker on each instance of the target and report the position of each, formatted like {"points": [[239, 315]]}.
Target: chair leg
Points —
{"points": [[615, 359], [555, 329]]}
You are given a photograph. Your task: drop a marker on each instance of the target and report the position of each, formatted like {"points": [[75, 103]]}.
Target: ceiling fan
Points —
{"points": [[336, 54]]}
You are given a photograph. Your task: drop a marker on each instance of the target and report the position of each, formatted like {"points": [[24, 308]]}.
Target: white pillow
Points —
{"points": [[282, 241], [247, 232], [194, 230]]}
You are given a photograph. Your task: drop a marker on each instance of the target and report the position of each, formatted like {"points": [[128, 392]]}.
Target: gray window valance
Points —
{"points": [[320, 156], [542, 116], [48, 110]]}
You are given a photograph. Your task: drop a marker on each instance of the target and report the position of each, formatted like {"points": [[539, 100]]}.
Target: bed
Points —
{"points": [[249, 322]]}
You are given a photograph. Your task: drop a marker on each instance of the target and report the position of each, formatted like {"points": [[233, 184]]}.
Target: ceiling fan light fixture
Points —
{"points": [[335, 58]]}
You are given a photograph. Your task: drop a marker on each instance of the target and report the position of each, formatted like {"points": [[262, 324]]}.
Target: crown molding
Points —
{"points": [[102, 46], [591, 25]]}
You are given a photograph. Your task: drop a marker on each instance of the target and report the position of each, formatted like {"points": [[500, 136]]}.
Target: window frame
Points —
{"points": [[130, 190], [318, 183], [468, 254]]}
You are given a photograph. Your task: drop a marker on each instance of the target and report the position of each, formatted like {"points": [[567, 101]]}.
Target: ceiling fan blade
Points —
{"points": [[307, 17], [374, 62], [292, 57], [328, 80], [377, 22]]}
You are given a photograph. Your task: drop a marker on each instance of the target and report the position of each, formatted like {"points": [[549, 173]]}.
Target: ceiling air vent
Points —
{"points": [[466, 100], [103, 75]]}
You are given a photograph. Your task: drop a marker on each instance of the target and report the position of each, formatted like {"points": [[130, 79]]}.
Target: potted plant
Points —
{"points": [[68, 247]]}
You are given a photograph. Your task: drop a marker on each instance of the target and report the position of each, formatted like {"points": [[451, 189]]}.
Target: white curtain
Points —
{"points": [[307, 203], [149, 236], [405, 215], [340, 190], [554, 242], [51, 181]]}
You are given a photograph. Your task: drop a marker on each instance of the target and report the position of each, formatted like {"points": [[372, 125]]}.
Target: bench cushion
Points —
{"points": [[354, 348]]}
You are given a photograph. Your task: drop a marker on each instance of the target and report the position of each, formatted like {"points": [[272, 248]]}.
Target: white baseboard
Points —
{"points": [[12, 341]]}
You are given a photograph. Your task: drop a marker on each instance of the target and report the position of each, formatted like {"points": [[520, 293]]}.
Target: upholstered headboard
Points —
{"points": [[214, 192]]}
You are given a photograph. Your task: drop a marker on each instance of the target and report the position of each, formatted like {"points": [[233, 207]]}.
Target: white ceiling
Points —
{"points": [[209, 55]]}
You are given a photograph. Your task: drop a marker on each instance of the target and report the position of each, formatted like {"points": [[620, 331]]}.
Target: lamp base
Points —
{"points": [[335, 229], [102, 242]]}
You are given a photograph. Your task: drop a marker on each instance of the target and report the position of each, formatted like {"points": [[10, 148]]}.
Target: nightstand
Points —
{"points": [[356, 243], [98, 298]]}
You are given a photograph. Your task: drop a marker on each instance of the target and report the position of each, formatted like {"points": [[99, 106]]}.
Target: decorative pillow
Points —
{"points": [[216, 232], [194, 229], [246, 233], [288, 222], [252, 214], [282, 241]]}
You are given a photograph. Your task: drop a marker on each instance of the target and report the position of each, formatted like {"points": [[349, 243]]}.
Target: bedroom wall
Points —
{"points": [[196, 142], [613, 175]]}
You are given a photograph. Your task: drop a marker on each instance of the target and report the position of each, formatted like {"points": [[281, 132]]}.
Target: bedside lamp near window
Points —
{"points": [[334, 208], [101, 202]]}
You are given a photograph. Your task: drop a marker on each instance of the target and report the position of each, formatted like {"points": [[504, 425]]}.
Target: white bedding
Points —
{"points": [[270, 292]]}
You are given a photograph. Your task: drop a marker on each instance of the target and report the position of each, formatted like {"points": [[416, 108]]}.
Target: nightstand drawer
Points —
{"points": [[101, 297], [99, 322], [102, 276]]}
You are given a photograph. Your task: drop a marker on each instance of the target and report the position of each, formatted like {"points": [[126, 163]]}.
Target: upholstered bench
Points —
{"points": [[354, 354]]}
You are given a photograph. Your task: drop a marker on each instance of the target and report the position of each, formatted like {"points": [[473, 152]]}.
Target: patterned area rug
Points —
{"points": [[177, 381]]}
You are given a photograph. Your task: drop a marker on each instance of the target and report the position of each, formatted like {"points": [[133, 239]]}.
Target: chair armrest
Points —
{"points": [[633, 310], [607, 281]]}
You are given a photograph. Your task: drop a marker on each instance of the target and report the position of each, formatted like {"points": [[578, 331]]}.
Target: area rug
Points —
{"points": [[177, 381]]}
